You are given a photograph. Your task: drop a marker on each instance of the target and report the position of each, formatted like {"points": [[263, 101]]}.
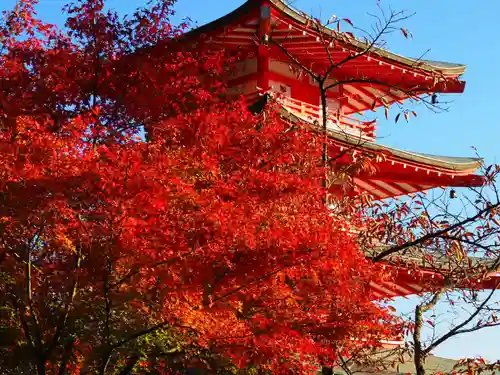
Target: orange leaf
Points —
{"points": [[348, 21], [406, 33]]}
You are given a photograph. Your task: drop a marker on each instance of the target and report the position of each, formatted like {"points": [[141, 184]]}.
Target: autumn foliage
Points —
{"points": [[146, 224]]}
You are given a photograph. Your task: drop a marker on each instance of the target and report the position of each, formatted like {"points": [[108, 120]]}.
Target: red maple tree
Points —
{"points": [[207, 245]]}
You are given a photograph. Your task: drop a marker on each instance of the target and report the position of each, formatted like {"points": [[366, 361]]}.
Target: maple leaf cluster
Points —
{"points": [[147, 224]]}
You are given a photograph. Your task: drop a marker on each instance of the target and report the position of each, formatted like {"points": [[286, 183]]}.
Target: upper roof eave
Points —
{"points": [[225, 20], [447, 69], [427, 65]]}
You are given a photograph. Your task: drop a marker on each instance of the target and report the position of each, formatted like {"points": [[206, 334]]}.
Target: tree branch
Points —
{"points": [[429, 236], [457, 330]]}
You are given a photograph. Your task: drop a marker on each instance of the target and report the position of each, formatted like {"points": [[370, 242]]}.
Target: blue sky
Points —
{"points": [[454, 31]]}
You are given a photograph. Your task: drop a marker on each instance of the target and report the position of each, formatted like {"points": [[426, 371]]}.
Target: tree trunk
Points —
{"points": [[40, 367], [324, 125], [419, 357]]}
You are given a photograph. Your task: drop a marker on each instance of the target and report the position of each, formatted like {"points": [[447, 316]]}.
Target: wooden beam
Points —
{"points": [[263, 59], [422, 178]]}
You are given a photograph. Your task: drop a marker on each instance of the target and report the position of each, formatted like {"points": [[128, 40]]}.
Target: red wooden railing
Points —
{"points": [[347, 124], [310, 112]]}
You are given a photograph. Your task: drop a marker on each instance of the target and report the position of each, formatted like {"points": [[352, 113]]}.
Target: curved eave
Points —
{"points": [[415, 256], [447, 69], [459, 165], [226, 20], [453, 164], [414, 274]]}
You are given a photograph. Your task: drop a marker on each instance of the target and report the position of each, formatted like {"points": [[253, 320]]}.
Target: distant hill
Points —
{"points": [[433, 364]]}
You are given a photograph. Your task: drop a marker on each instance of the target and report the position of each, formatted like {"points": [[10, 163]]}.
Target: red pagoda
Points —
{"points": [[264, 29]]}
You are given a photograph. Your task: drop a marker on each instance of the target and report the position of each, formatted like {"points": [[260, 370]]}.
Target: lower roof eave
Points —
{"points": [[462, 167]]}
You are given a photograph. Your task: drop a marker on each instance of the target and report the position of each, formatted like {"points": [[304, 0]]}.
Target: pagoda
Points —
{"points": [[265, 30]]}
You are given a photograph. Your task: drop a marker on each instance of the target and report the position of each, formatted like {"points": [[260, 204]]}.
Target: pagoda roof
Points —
{"points": [[440, 67], [456, 164], [400, 172], [429, 65], [415, 273], [449, 163]]}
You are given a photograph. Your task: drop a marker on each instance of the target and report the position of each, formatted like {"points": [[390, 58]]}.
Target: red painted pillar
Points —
{"points": [[263, 57]]}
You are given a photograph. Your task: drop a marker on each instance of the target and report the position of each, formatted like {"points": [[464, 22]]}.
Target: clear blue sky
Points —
{"points": [[454, 31]]}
